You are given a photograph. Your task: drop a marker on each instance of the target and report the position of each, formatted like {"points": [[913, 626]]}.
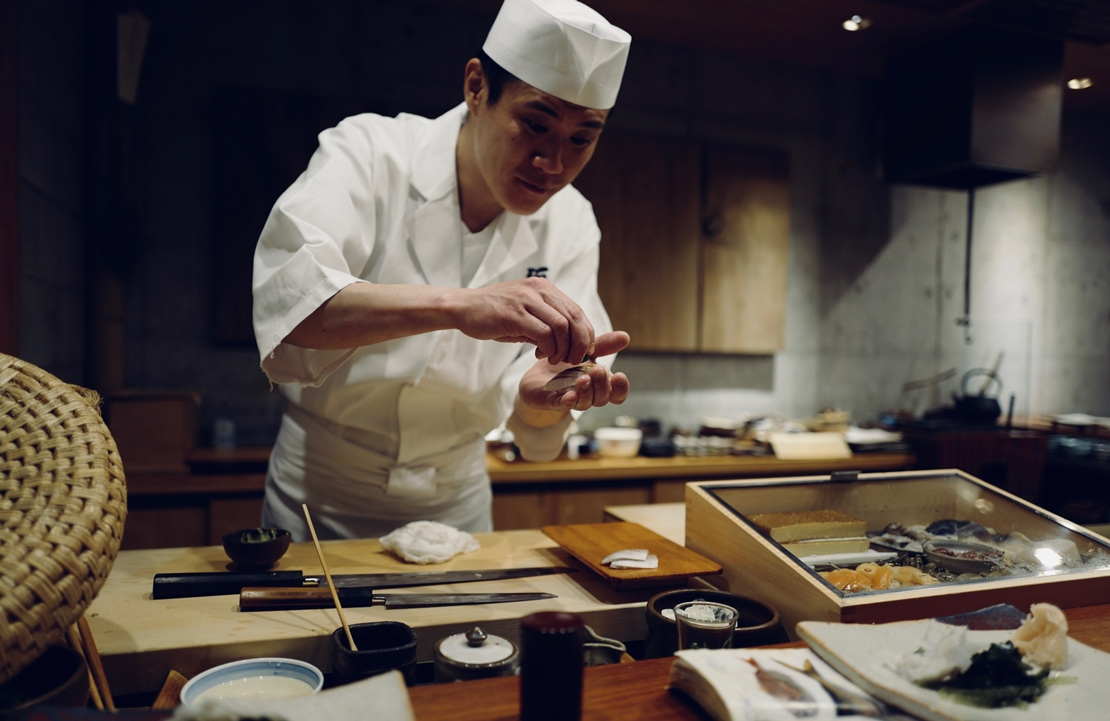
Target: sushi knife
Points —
{"points": [[219, 583], [284, 599]]}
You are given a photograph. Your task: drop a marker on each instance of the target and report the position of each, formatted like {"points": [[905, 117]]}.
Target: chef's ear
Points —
{"points": [[475, 84]]}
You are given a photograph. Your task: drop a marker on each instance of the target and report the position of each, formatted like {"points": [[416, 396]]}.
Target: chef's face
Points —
{"points": [[529, 145]]}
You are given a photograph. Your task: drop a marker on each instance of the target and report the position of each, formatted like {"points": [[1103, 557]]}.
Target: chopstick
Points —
{"points": [[327, 575], [75, 644], [81, 638]]}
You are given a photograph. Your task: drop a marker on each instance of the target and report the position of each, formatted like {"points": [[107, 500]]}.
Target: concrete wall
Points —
{"points": [[876, 272]]}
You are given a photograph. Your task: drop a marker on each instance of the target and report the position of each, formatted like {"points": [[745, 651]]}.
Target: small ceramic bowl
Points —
{"points": [[963, 557], [256, 548], [618, 442], [254, 678]]}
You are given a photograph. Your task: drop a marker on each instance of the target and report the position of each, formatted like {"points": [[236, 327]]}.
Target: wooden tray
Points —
{"points": [[592, 542]]}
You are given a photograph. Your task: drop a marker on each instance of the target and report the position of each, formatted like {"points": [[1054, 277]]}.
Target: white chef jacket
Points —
{"points": [[377, 436]]}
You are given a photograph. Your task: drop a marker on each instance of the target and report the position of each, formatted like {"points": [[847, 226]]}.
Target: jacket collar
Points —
{"points": [[437, 223], [433, 167]]}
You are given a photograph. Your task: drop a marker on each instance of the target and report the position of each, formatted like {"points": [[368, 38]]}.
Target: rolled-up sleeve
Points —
{"points": [[318, 230]]}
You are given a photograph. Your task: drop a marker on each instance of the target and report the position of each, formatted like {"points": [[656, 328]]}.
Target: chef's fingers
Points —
{"points": [[571, 335], [533, 309], [619, 387], [597, 388], [610, 343]]}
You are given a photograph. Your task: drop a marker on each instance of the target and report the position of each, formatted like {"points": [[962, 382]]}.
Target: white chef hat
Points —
{"points": [[560, 47]]}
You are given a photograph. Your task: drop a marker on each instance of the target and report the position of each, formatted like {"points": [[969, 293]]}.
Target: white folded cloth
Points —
{"points": [[428, 542]]}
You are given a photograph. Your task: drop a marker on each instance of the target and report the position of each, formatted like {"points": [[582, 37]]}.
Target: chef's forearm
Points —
{"points": [[536, 417], [367, 313]]}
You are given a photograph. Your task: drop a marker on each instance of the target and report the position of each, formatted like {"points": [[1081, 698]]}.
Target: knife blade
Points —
{"points": [[219, 583], [285, 599]]}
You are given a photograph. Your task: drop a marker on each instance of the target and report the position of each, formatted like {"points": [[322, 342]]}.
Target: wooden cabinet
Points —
{"points": [[695, 242], [168, 510], [224, 491], [530, 505], [645, 195], [744, 249], [532, 495]]}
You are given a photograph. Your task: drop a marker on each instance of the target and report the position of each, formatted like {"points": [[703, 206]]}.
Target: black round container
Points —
{"points": [[59, 678], [757, 624], [382, 646]]}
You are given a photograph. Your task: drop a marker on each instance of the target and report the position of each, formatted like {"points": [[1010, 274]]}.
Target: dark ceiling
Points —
{"points": [[809, 32]]}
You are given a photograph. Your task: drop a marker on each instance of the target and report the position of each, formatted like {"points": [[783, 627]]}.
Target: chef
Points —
{"points": [[423, 280]]}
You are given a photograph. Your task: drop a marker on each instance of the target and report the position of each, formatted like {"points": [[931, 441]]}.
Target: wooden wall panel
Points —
{"points": [[746, 251], [513, 509], [158, 526], [232, 514], [645, 195]]}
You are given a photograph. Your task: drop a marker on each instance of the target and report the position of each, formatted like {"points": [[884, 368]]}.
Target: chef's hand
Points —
{"points": [[531, 310], [596, 387]]}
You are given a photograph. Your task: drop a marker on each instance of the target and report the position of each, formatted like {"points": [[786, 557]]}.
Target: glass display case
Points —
{"points": [[936, 543]]}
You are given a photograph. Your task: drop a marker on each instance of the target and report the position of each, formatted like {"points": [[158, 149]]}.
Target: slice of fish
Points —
{"points": [[565, 380]]}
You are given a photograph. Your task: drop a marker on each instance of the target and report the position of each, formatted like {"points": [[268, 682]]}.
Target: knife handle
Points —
{"points": [[219, 583], [286, 599]]}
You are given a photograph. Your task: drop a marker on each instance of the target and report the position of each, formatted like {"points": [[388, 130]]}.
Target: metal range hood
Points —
{"points": [[976, 107]]}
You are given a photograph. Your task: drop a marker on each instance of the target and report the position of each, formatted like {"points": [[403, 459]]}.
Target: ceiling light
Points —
{"points": [[856, 22], [1080, 83]]}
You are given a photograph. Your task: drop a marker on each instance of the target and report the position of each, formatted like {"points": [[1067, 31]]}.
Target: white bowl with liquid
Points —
{"points": [[255, 678]]}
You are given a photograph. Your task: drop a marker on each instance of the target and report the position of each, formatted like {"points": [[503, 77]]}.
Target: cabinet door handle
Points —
{"points": [[712, 225]]}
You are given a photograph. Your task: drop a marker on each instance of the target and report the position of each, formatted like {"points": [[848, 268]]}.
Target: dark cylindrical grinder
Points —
{"points": [[551, 663]]}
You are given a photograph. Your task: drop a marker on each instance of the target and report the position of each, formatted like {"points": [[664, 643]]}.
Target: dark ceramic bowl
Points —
{"points": [[57, 678], [256, 548], [382, 646], [757, 624], [963, 557]]}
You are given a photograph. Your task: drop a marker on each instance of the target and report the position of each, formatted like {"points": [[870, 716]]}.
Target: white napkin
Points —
{"points": [[428, 542], [386, 694]]}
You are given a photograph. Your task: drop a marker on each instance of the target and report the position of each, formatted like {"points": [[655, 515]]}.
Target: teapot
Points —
{"points": [[979, 408]]}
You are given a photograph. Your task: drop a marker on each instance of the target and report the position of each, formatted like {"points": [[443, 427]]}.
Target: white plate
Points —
{"points": [[864, 654]]}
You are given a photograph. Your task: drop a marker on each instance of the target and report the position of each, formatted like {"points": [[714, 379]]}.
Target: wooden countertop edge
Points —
{"points": [[687, 467], [590, 469]]}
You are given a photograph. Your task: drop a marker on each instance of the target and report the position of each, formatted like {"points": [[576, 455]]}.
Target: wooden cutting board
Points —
{"points": [[592, 542]]}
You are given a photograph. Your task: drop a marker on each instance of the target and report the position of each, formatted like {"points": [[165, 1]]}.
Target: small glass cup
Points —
{"points": [[703, 624]]}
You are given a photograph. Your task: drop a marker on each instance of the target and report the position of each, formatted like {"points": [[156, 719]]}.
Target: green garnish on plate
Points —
{"points": [[997, 677]]}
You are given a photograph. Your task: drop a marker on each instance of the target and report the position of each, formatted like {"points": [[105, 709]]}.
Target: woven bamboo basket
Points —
{"points": [[63, 502]]}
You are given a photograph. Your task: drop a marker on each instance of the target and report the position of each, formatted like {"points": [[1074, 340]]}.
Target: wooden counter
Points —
{"points": [[223, 490], [141, 639], [532, 495], [685, 468], [638, 691]]}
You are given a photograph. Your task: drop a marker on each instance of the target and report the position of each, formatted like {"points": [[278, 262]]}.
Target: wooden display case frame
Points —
{"points": [[756, 566]]}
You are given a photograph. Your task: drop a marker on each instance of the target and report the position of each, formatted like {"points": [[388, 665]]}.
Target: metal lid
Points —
{"points": [[475, 648]]}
